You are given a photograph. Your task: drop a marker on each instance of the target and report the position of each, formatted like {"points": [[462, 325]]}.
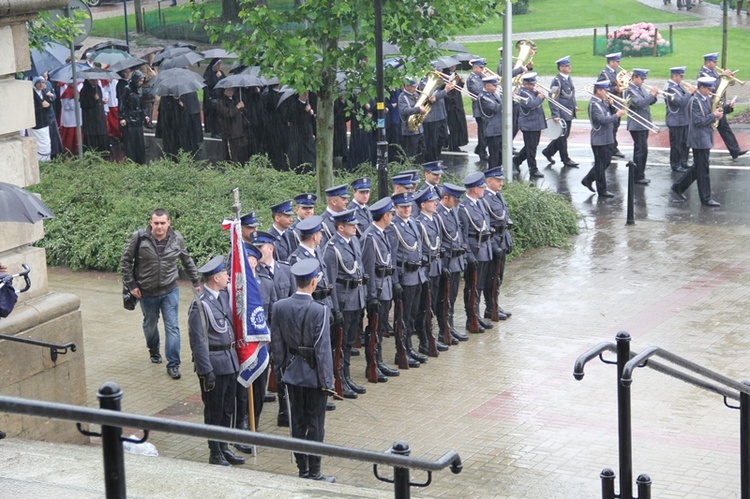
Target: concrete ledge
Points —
{"points": [[32, 313], [77, 471], [18, 105], [20, 7], [18, 160]]}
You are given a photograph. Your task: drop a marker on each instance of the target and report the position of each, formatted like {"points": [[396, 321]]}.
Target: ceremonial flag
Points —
{"points": [[248, 319]]}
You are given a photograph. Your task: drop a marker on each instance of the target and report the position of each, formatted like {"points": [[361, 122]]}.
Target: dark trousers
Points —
{"points": [[393, 136], [481, 148], [236, 149], [308, 406], [728, 137], [491, 295], [259, 392], [495, 145], [434, 133], [560, 144], [482, 269], [218, 404], [699, 172], [135, 145], [616, 127], [414, 146], [352, 321], [411, 309], [678, 148], [528, 153], [640, 152], [602, 158], [431, 290]]}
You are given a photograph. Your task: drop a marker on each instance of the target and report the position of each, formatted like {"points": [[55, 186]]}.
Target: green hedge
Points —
{"points": [[99, 204]]}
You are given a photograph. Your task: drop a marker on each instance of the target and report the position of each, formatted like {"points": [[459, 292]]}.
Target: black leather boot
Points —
{"points": [[216, 456], [349, 381], [230, 456], [346, 390], [413, 353], [283, 417], [384, 368], [315, 473], [455, 333]]}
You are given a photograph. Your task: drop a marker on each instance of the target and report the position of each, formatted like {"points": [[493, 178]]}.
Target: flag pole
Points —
{"points": [[237, 207]]}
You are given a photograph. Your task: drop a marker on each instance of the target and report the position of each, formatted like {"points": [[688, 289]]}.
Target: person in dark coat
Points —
{"points": [[216, 363], [340, 117], [300, 339], [214, 74], [276, 129], [458, 134], [191, 128], [253, 119], [170, 126], [230, 113], [362, 141], [94, 126], [393, 123], [132, 118], [301, 120]]}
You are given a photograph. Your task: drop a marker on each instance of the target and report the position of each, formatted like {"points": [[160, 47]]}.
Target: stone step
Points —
{"points": [[43, 469]]}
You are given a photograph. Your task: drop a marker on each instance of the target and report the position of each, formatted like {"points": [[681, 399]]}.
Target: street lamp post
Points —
{"points": [[382, 145]]}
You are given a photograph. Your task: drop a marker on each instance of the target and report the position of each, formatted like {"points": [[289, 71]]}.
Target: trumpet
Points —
{"points": [[621, 103], [551, 98], [659, 91], [488, 72]]}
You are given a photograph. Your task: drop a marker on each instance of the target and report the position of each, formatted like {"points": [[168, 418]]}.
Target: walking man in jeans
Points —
{"points": [[149, 270]]}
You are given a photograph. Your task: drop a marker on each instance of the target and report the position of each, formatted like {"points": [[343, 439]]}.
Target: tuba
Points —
{"points": [[526, 52], [434, 82], [718, 101]]}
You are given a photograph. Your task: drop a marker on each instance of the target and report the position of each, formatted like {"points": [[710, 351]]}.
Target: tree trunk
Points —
{"points": [[230, 10], [324, 140], [139, 28]]}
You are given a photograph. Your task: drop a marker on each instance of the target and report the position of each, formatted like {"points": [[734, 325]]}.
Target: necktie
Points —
{"points": [[270, 270]]}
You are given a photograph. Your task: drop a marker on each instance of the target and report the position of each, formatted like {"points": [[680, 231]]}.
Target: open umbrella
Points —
{"points": [[239, 81], [64, 74], [390, 49], [127, 64], [176, 82], [181, 61], [219, 54], [52, 56], [147, 52], [20, 205], [285, 92], [452, 46], [108, 57], [182, 45], [445, 62], [171, 52], [95, 74], [109, 44]]}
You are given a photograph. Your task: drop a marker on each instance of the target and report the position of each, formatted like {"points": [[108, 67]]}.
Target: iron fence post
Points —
{"points": [[631, 188], [110, 396], [401, 478], [608, 483], [623, 417], [644, 486], [745, 444]]}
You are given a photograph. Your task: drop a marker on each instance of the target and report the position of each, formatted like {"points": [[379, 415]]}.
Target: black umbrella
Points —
{"points": [[110, 44], [182, 45], [148, 51], [219, 54], [285, 92], [52, 56], [452, 46], [64, 74], [239, 81], [95, 74], [168, 53], [20, 205], [127, 64], [176, 82], [181, 61]]}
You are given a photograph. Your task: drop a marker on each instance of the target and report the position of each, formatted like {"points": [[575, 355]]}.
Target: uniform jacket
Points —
{"points": [[640, 102], [491, 107], [283, 280], [285, 243], [267, 292], [531, 114], [475, 85], [344, 267], [451, 239], [217, 315], [407, 106], [704, 71], [497, 209], [677, 106], [430, 229], [298, 321], [610, 75], [475, 222], [700, 131], [602, 122], [406, 247], [567, 97], [156, 275], [329, 229], [364, 217], [377, 259], [302, 253], [437, 113]]}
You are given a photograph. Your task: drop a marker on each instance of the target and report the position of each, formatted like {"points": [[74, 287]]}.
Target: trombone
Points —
{"points": [[551, 97], [621, 103], [462, 90]]}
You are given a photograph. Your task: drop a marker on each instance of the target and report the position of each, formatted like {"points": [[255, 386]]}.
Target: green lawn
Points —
{"points": [[549, 15], [114, 27], [686, 53]]}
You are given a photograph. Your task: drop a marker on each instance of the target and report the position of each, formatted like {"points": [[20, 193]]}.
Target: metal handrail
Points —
{"points": [[642, 360], [54, 349], [69, 412]]}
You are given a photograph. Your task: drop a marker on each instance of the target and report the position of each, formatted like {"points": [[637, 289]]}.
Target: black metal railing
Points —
{"points": [[54, 349], [112, 422], [627, 362]]}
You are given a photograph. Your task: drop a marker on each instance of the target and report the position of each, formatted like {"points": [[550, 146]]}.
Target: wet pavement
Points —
{"points": [[506, 400]]}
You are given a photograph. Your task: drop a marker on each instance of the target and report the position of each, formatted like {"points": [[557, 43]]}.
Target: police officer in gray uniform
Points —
{"points": [[562, 84], [408, 277], [280, 229], [361, 195], [413, 141], [337, 198], [475, 85], [300, 338], [700, 139], [640, 103], [531, 121], [491, 106], [475, 225], [343, 258], [310, 234], [216, 363], [609, 74], [603, 122], [677, 100], [430, 228], [501, 240], [377, 263], [436, 124], [304, 206], [454, 247]]}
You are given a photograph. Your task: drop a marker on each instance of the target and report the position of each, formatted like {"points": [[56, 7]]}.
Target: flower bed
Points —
{"points": [[638, 40]]}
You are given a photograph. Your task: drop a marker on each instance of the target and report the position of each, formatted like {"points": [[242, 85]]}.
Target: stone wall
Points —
{"points": [[28, 371]]}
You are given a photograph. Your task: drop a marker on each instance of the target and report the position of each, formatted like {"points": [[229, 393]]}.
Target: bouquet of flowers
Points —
{"points": [[637, 40]]}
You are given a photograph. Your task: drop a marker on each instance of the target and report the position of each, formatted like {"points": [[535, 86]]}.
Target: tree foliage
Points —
{"points": [[60, 29]]}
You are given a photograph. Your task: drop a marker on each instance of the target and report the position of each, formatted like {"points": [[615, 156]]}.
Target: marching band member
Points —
{"points": [[566, 97], [609, 74], [677, 100], [531, 121], [640, 102]]}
